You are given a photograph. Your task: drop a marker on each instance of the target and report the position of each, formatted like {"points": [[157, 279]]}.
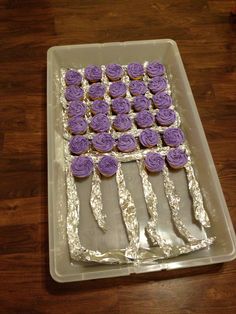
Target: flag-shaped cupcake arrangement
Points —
{"points": [[120, 113]]}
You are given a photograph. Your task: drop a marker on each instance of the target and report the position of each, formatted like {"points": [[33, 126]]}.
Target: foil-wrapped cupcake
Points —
{"points": [[141, 103], [96, 91], [99, 106], [126, 143], [155, 68], [76, 108], [100, 123], [149, 138], [117, 89], [82, 166], [74, 93], [77, 125], [120, 105], [177, 158], [144, 119], [122, 122], [157, 84], [114, 71], [93, 73], [79, 144], [137, 88], [162, 100], [165, 117], [154, 162], [108, 166], [103, 142], [173, 137], [135, 70], [73, 77]]}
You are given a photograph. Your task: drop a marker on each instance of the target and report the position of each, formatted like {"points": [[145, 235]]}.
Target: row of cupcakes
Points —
{"points": [[126, 143], [114, 72]]}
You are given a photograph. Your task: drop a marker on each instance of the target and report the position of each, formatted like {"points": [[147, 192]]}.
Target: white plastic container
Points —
{"points": [[62, 268]]}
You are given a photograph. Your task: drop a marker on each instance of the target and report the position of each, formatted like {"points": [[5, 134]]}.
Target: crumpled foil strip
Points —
{"points": [[96, 201], [152, 207], [129, 215], [174, 201]]}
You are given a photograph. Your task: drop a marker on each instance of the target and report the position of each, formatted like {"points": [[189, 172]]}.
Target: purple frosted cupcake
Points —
{"points": [[155, 68], [117, 89], [120, 105], [82, 167], [157, 84], [96, 91], [100, 123], [99, 106], [126, 143], [93, 73], [73, 77], [173, 137], [79, 144], [144, 119], [122, 122], [162, 100], [103, 142], [76, 108], [74, 93], [77, 125], [165, 117], [149, 138], [135, 70], [176, 158], [154, 162], [141, 103], [137, 88], [114, 71], [108, 166]]}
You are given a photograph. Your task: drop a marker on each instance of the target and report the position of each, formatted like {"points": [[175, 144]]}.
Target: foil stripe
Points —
{"points": [[174, 201], [129, 215], [96, 201]]}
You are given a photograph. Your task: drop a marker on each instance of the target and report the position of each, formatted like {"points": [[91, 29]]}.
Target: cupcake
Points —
{"points": [[100, 123], [144, 119], [117, 89], [74, 93], [176, 158], [135, 70], [122, 122], [154, 162], [120, 105], [149, 138], [108, 166], [165, 117], [137, 88], [99, 106], [96, 91], [103, 142], [141, 103], [79, 144], [93, 73], [76, 108], [77, 125], [73, 77], [114, 71], [155, 68], [126, 143], [157, 84], [162, 100], [173, 137], [82, 167]]}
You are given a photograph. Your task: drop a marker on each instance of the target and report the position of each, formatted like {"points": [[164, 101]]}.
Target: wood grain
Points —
{"points": [[207, 41]]}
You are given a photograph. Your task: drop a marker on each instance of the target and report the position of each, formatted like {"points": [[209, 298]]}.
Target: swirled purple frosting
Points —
{"points": [[141, 103], [77, 125], [108, 166], [157, 84], [165, 117], [82, 166], [74, 93], [126, 143], [122, 122], [99, 106], [103, 142], [93, 73], [176, 158], [117, 89], [100, 123], [79, 144], [144, 119], [137, 88], [96, 91], [162, 100], [114, 71], [135, 70], [73, 77], [120, 105], [173, 137], [149, 138], [154, 162], [76, 108], [155, 68]]}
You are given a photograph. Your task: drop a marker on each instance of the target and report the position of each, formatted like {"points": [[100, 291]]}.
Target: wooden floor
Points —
{"points": [[206, 37]]}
